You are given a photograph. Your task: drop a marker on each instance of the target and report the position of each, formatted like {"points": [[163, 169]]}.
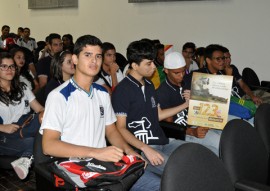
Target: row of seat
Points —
{"points": [[43, 176], [243, 163], [252, 80]]}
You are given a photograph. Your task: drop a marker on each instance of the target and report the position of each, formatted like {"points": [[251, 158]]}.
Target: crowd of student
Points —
{"points": [[88, 94]]}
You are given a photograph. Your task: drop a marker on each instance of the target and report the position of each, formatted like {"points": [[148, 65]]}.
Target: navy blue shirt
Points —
{"points": [[43, 67], [138, 103], [236, 77], [170, 95]]}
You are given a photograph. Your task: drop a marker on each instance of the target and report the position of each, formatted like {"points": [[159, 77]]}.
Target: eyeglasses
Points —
{"points": [[219, 58], [226, 58], [6, 67]]}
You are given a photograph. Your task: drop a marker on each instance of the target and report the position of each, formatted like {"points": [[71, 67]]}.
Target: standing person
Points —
{"points": [[5, 32], [26, 41], [19, 32], [169, 94], [188, 52], [138, 112], [9, 42], [79, 115], [25, 76], [43, 66], [110, 71], [16, 100], [62, 69]]}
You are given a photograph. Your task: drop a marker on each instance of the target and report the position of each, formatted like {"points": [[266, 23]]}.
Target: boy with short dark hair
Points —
{"points": [[138, 113], [79, 115]]}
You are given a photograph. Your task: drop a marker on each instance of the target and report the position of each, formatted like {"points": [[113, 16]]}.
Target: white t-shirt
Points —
{"points": [[30, 44], [41, 52], [79, 116], [193, 66], [100, 81], [1, 43], [119, 76], [12, 113], [126, 69], [26, 81]]}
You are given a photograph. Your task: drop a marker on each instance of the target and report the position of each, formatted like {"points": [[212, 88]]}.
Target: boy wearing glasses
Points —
{"points": [[215, 64]]}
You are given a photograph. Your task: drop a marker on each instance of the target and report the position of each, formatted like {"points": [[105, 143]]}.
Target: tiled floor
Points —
{"points": [[9, 181]]}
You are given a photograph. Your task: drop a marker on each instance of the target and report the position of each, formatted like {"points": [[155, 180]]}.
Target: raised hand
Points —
{"points": [[113, 68]]}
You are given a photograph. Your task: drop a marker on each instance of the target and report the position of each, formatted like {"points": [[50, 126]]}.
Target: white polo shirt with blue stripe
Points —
{"points": [[78, 115]]}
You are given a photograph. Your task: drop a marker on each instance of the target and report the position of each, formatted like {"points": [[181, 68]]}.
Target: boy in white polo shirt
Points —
{"points": [[79, 114]]}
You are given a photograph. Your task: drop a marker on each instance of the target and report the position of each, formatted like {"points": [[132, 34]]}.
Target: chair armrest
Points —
{"points": [[173, 130], [246, 185]]}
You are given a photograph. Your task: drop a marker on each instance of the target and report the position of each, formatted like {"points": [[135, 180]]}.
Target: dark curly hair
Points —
{"points": [[16, 93], [57, 63], [24, 70]]}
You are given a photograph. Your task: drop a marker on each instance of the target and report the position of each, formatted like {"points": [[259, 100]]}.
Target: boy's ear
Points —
{"points": [[165, 70], [208, 60], [74, 59], [134, 66]]}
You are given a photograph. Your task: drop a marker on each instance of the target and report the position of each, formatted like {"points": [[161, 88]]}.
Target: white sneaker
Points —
{"points": [[21, 166]]}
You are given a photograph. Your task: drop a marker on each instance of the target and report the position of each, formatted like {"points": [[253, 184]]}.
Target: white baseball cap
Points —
{"points": [[174, 60]]}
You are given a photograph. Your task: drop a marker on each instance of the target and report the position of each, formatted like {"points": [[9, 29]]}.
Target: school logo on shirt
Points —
{"points": [[101, 109], [26, 103], [181, 118], [153, 101], [143, 130]]}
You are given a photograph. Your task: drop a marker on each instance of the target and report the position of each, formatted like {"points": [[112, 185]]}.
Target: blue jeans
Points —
{"points": [[165, 151], [211, 140], [14, 145], [148, 181]]}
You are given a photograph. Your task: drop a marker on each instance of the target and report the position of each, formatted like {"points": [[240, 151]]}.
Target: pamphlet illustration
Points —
{"points": [[210, 99]]}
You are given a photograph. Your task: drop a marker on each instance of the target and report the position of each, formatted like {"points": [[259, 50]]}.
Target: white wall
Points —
{"points": [[241, 25]]}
